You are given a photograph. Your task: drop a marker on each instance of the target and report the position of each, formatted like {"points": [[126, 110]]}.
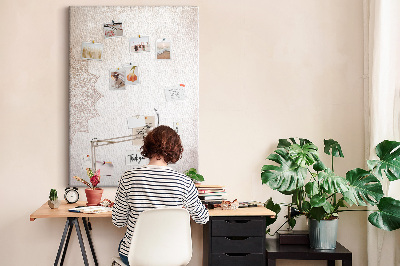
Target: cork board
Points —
{"points": [[96, 111]]}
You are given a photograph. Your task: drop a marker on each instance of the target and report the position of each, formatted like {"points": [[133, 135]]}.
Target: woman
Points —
{"points": [[155, 186]]}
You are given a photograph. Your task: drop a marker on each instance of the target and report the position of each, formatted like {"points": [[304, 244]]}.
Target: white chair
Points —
{"points": [[162, 237]]}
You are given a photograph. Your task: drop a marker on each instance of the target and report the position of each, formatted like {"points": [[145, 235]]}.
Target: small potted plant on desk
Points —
{"points": [[319, 194], [53, 202], [196, 177], [93, 193]]}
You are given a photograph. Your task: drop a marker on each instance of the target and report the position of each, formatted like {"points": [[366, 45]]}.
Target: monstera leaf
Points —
{"points": [[276, 208], [286, 177], [388, 153], [363, 188], [333, 146], [388, 216], [331, 183], [320, 201], [304, 155]]}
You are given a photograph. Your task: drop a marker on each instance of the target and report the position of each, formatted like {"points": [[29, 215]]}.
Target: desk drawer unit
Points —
{"points": [[232, 241]]}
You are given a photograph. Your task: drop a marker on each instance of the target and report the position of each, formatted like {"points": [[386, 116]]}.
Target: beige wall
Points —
{"points": [[268, 70]]}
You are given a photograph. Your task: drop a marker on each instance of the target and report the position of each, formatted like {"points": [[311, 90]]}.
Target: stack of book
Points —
{"points": [[211, 194]]}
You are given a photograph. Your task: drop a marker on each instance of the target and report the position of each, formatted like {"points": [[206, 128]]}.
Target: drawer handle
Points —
{"points": [[237, 254], [236, 237], [237, 221]]}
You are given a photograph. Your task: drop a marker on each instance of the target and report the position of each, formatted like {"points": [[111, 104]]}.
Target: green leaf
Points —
{"points": [[292, 222], [317, 201], [306, 206], [287, 176], [364, 188], [332, 146], [311, 189], [284, 143], [319, 166], [388, 216], [388, 153], [320, 201], [304, 155], [317, 213], [276, 208], [332, 183]]}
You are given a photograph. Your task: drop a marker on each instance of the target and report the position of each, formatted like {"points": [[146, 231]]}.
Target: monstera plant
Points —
{"points": [[320, 194]]}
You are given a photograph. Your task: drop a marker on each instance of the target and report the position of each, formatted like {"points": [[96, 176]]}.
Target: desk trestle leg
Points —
{"points": [[66, 242], [67, 226], [90, 240], [78, 232], [71, 221]]}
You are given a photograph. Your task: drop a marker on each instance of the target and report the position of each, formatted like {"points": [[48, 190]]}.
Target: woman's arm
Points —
{"points": [[193, 205], [120, 208]]}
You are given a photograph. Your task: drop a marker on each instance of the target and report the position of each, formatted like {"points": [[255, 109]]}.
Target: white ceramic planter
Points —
{"points": [[53, 204]]}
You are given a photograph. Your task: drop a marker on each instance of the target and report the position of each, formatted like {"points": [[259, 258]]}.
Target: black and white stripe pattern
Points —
{"points": [[151, 187]]}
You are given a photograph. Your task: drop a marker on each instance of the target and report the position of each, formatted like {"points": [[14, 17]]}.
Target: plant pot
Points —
{"points": [[54, 204], [323, 234], [93, 196]]}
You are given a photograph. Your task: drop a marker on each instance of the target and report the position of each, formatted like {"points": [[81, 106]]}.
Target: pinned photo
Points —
{"points": [[163, 48], [131, 75], [113, 30], [91, 50], [139, 44], [117, 79]]}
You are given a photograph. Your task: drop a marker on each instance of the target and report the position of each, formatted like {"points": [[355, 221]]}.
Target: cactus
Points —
{"points": [[53, 195]]}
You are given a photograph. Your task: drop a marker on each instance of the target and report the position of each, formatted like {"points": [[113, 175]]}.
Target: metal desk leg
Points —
{"points": [[66, 243], [331, 263], [346, 262], [90, 241], [78, 232], [67, 225]]}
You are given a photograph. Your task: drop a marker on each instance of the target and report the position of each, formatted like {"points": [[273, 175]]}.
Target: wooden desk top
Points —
{"points": [[62, 211], [250, 211]]}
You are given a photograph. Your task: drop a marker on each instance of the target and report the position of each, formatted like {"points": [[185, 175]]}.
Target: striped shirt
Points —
{"points": [[151, 187]]}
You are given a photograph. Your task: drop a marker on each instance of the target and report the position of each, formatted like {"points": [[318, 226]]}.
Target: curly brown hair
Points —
{"points": [[163, 141]]}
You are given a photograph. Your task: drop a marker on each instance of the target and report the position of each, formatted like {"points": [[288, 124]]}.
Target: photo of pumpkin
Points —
{"points": [[131, 77]]}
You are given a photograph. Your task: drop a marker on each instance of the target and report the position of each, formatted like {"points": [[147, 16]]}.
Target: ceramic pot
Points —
{"points": [[54, 204], [93, 196], [323, 234]]}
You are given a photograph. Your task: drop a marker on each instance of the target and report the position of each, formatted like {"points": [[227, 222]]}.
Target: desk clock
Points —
{"points": [[71, 194]]}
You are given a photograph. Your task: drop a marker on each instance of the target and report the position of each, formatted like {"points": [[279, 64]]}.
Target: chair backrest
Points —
{"points": [[161, 237]]}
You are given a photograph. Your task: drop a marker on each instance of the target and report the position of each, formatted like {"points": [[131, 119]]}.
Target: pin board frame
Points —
{"points": [[96, 112]]}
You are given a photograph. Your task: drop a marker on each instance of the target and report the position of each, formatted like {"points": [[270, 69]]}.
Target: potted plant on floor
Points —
{"points": [[93, 193], [319, 194], [53, 202]]}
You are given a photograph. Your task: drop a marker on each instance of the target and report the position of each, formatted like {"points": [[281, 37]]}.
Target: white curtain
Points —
{"points": [[383, 113]]}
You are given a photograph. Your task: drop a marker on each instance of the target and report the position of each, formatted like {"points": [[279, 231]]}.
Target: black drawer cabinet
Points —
{"points": [[234, 241]]}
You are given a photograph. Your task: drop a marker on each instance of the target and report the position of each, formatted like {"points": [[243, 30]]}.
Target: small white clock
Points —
{"points": [[71, 194]]}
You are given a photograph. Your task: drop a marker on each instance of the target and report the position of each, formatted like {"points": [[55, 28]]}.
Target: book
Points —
{"points": [[90, 209]]}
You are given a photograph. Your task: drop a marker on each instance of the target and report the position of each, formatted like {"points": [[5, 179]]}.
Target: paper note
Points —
{"points": [[106, 168], [138, 135], [150, 122], [176, 93], [136, 121], [135, 158]]}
